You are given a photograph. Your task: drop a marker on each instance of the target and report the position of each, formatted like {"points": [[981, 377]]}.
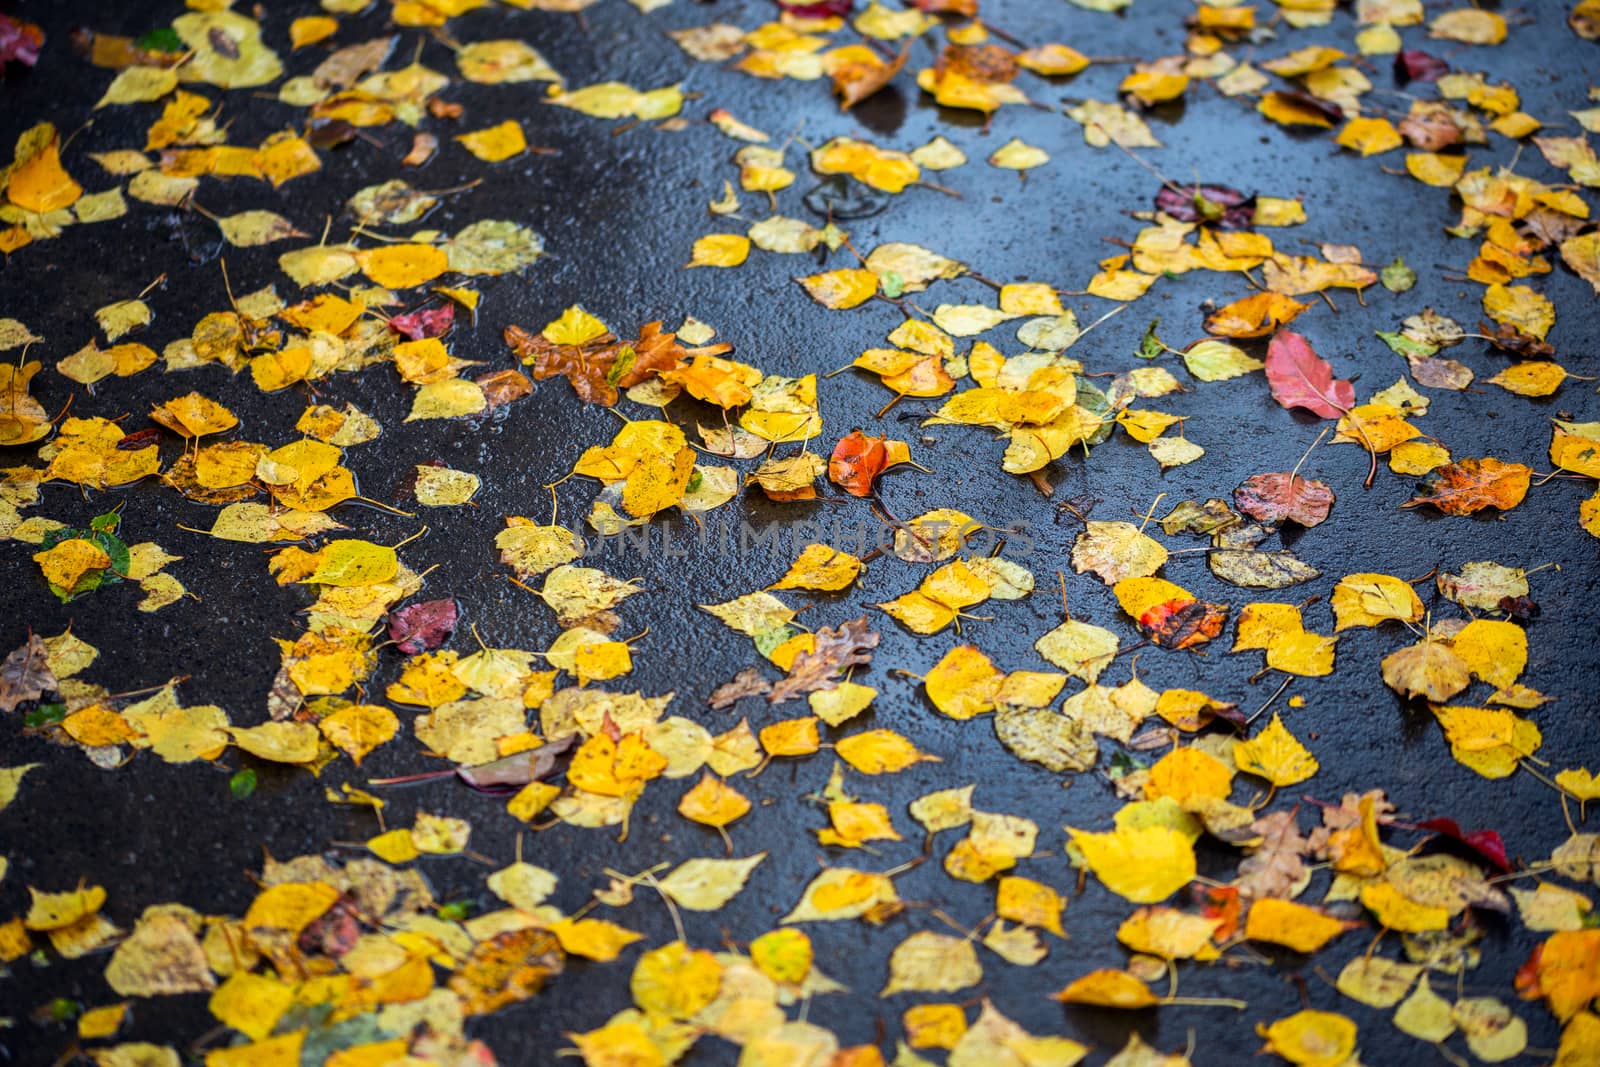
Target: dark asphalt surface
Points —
{"points": [[618, 213]]}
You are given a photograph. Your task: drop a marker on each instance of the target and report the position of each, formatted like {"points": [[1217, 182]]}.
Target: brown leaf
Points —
{"points": [[836, 650], [1275, 867], [747, 683], [1471, 485], [1284, 495], [25, 675], [1507, 338]]}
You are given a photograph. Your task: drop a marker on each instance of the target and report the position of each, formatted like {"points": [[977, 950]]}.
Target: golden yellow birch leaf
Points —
{"points": [[820, 567], [447, 399], [1494, 650], [783, 955], [1526, 309], [842, 703], [1170, 934], [522, 885], [720, 250], [1493, 1033], [394, 846], [1533, 378], [1017, 155], [880, 752], [675, 981], [1109, 989], [708, 884], [1436, 169], [1311, 1038], [593, 939], [495, 143], [712, 803], [1377, 982], [102, 1022], [280, 1051], [57, 911], [934, 1025], [1491, 741], [1426, 669], [1022, 900], [402, 266], [359, 728], [279, 742], [1186, 773], [10, 779], [1469, 26], [943, 809], [1144, 865], [1081, 649], [251, 1003], [842, 893], [1368, 599], [1395, 911], [1369, 136], [1276, 755], [1296, 926], [841, 289], [928, 962]]}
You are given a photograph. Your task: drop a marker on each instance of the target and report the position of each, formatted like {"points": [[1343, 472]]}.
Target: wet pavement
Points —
{"points": [[619, 210]]}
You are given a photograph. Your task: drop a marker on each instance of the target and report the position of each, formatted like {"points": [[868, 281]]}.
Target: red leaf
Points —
{"points": [[856, 462], [1273, 498], [423, 627], [428, 322], [1485, 843], [1302, 379], [1183, 623]]}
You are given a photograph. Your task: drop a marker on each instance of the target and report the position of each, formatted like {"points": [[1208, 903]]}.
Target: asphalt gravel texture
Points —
{"points": [[619, 210]]}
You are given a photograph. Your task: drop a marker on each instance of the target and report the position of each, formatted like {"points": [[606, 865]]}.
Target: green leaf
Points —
{"points": [[892, 284], [165, 39], [1150, 346], [243, 783], [1397, 277], [45, 715], [1405, 346]]}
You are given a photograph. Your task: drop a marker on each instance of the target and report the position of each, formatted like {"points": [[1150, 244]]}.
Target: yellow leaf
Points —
{"points": [[1368, 599], [1494, 650], [1521, 307], [1275, 755], [1425, 1014], [1311, 1038], [494, 144], [880, 752], [841, 289], [359, 728], [1296, 926], [1186, 773], [1023, 900], [1170, 934], [1534, 378], [713, 803], [1109, 989], [1395, 911], [707, 884], [783, 955], [1144, 865], [1016, 155], [842, 893], [675, 981], [720, 250], [1369, 136], [402, 266], [251, 1003], [594, 939], [1433, 168], [928, 962]]}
